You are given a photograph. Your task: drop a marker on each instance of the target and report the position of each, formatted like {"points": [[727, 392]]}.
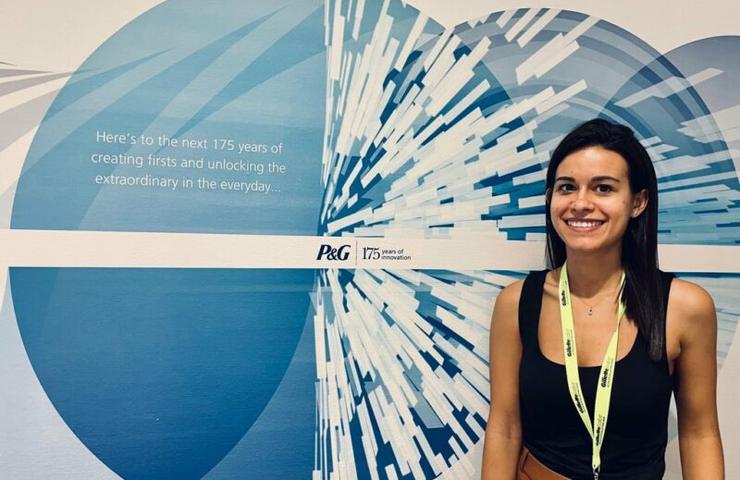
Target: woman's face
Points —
{"points": [[591, 200]]}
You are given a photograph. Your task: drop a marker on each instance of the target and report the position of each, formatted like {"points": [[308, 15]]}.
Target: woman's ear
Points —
{"points": [[639, 203], [548, 195]]}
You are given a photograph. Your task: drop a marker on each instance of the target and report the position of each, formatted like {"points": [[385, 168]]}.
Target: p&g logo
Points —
{"points": [[327, 252]]}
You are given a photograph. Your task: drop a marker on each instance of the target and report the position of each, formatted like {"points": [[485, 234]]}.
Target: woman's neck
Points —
{"points": [[590, 274]]}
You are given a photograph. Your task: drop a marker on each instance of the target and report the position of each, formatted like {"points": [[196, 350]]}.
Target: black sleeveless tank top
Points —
{"points": [[637, 432]]}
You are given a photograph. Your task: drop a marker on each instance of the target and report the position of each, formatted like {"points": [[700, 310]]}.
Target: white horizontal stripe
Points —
{"points": [[49, 248]]}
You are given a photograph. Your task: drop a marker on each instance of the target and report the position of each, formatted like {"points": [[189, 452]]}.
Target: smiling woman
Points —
{"points": [[602, 336]]}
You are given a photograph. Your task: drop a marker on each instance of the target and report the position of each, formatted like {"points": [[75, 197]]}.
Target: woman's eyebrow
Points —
{"points": [[565, 179], [601, 178]]}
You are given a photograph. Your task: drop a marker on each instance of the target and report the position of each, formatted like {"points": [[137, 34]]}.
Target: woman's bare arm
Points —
{"points": [[696, 393], [503, 432]]}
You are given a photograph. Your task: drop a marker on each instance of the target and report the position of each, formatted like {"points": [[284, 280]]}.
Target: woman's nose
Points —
{"points": [[582, 201]]}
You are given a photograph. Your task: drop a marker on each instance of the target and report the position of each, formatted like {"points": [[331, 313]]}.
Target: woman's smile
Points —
{"points": [[584, 225]]}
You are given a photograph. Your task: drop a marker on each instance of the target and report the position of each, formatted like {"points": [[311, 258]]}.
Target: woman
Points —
{"points": [[584, 357]]}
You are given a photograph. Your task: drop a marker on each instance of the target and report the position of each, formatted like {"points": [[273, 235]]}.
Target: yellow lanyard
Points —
{"points": [[606, 374]]}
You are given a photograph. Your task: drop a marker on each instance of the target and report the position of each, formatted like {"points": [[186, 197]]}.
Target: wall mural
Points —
{"points": [[455, 137], [350, 119]]}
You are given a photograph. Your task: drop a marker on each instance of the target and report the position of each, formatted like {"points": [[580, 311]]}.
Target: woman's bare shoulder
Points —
{"points": [[691, 307], [505, 311], [689, 298], [510, 294]]}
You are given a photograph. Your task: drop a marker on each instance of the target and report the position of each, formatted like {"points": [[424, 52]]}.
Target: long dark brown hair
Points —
{"points": [[642, 294]]}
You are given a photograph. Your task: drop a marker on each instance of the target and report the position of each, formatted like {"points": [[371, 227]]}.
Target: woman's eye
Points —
{"points": [[604, 188], [565, 188]]}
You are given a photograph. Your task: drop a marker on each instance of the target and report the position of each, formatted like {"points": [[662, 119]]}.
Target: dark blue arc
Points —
{"points": [[160, 372]]}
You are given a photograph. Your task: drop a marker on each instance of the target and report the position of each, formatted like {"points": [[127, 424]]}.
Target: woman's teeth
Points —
{"points": [[584, 223]]}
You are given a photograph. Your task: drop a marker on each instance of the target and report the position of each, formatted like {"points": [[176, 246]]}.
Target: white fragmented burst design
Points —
{"points": [[402, 363], [397, 102], [446, 133]]}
